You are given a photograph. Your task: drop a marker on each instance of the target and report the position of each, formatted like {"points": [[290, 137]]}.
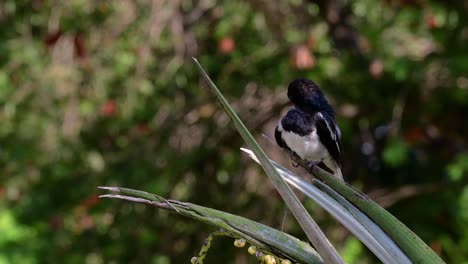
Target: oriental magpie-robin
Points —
{"points": [[309, 128]]}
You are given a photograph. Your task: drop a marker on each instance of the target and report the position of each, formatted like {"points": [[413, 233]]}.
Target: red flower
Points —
{"points": [[109, 108], [302, 58], [431, 22], [226, 45]]}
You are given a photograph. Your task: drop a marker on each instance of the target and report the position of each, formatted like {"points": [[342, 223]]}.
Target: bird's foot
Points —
{"points": [[311, 164]]}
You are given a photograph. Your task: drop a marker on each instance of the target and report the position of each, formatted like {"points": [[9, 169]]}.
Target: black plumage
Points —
{"points": [[309, 128], [331, 141], [298, 121], [279, 139], [307, 96]]}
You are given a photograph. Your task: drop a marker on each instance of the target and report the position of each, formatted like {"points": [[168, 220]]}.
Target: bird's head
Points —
{"points": [[307, 96]]}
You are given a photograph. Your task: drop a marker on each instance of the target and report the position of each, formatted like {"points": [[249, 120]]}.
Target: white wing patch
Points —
{"points": [[335, 134], [338, 131]]}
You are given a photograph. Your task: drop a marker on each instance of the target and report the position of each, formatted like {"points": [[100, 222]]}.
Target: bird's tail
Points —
{"points": [[338, 173], [335, 167]]}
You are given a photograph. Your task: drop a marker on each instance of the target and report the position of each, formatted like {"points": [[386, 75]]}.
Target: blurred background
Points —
{"points": [[105, 93]]}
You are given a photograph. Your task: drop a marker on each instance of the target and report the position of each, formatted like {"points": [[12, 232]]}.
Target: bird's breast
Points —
{"points": [[307, 146]]}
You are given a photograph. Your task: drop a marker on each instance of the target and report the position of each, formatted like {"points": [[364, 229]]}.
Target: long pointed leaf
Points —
{"points": [[354, 220], [407, 240], [310, 227], [260, 235], [377, 232]]}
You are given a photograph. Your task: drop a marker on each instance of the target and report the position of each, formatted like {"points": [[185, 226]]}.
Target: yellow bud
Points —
{"points": [[239, 242], [269, 259], [286, 261], [252, 250]]}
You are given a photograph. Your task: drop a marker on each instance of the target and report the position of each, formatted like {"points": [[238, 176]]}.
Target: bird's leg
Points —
{"points": [[311, 164]]}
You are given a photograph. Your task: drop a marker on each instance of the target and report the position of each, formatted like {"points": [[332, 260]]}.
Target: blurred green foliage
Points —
{"points": [[104, 93]]}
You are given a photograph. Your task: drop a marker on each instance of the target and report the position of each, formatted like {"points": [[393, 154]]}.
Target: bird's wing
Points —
{"points": [[294, 121], [329, 135], [298, 122], [279, 139]]}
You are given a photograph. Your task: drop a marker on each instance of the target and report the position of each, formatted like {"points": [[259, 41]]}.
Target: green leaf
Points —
{"points": [[395, 153], [313, 232], [347, 214], [260, 235], [459, 168], [407, 240]]}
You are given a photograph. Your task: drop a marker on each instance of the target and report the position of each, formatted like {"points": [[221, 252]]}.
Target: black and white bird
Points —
{"points": [[309, 128]]}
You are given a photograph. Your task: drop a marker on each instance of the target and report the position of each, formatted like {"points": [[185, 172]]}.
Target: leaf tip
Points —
{"points": [[113, 189], [246, 150]]}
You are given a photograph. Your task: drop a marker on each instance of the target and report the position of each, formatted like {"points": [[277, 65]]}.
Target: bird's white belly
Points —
{"points": [[307, 147]]}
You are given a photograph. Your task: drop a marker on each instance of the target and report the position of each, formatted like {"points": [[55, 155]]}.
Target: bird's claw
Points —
{"points": [[295, 164], [312, 164]]}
